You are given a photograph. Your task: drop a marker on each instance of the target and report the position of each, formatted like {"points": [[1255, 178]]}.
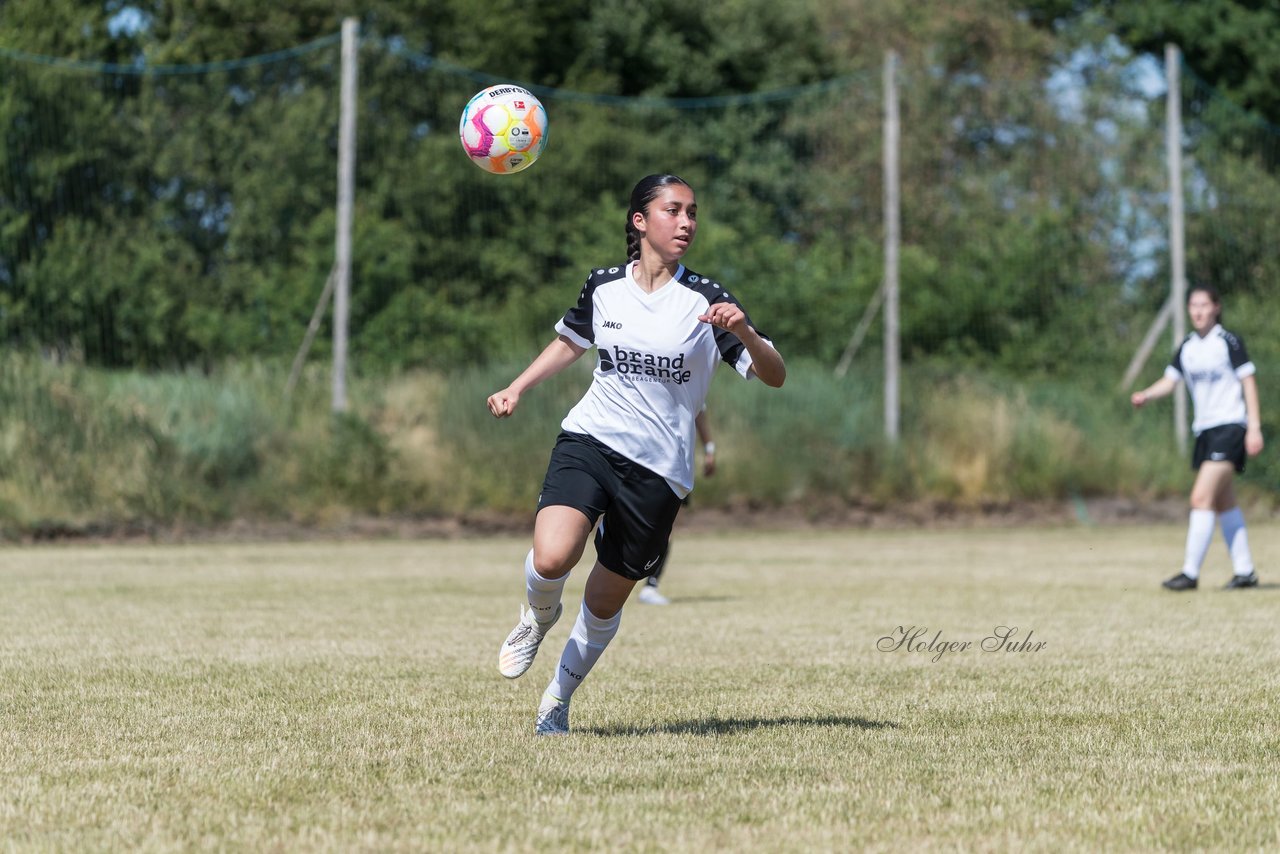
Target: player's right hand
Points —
{"points": [[503, 403], [1138, 399]]}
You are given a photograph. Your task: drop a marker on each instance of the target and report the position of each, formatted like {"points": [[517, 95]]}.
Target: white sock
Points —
{"points": [[544, 593], [588, 639], [1237, 537], [1199, 533]]}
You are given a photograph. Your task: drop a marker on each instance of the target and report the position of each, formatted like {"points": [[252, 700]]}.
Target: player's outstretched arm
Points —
{"points": [[1162, 387], [703, 425], [558, 355], [766, 362]]}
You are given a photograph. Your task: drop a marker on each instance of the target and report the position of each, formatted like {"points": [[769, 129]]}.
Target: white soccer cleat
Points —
{"points": [[521, 645], [649, 595], [553, 716]]}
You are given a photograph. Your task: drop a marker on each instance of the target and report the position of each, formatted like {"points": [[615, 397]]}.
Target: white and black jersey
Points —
{"points": [[1212, 368], [654, 366]]}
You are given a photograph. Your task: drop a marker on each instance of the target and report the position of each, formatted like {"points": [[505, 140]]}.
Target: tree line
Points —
{"points": [[185, 216]]}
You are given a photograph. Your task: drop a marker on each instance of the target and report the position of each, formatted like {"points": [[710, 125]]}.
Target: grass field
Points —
{"points": [[344, 696]]}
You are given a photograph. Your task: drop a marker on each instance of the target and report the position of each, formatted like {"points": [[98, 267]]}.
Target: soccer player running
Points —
{"points": [[624, 458], [1224, 391]]}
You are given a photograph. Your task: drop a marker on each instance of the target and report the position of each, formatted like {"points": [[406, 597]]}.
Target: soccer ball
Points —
{"points": [[503, 129]]}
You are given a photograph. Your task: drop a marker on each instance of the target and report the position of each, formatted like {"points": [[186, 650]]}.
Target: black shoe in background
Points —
{"points": [[1181, 581], [1239, 582]]}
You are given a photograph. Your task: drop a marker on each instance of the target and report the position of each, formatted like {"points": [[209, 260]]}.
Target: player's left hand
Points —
{"points": [[726, 315], [1253, 441]]}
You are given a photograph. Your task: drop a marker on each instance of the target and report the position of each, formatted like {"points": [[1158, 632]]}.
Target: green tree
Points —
{"points": [[1234, 45], [210, 195]]}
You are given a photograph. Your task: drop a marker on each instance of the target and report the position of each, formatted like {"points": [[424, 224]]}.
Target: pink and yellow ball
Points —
{"points": [[503, 129]]}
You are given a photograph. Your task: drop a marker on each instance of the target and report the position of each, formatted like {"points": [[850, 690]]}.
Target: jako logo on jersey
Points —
{"points": [[659, 368], [612, 324]]}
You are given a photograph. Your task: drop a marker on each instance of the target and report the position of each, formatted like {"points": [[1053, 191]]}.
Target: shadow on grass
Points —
{"points": [[725, 726], [1242, 591]]}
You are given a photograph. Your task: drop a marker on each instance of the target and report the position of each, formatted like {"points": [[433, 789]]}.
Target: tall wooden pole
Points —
{"points": [[346, 201], [892, 237], [1177, 232]]}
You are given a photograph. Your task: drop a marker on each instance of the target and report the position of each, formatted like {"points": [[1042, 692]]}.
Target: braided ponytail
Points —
{"points": [[633, 241]]}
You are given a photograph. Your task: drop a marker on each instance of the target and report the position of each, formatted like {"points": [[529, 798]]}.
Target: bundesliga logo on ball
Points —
{"points": [[503, 129]]}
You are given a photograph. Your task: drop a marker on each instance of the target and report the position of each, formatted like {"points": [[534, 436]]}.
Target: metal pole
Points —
{"points": [[300, 358], [1177, 234], [346, 198], [892, 236], [1148, 344]]}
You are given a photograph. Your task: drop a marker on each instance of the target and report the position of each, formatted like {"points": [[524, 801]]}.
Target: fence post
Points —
{"points": [[1177, 233], [346, 198], [892, 236]]}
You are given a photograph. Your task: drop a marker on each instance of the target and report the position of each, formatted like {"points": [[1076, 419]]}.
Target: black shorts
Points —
{"points": [[1220, 444], [636, 506]]}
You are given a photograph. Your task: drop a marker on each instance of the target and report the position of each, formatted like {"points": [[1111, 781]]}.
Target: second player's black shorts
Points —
{"points": [[635, 505], [1220, 444]]}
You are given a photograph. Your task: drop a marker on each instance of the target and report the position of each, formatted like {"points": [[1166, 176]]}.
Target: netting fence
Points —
{"points": [[162, 218]]}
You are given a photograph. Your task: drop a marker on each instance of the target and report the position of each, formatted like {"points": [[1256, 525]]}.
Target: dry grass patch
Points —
{"points": [[343, 696]]}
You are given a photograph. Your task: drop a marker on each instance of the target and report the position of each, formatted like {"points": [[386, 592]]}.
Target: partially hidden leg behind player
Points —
{"points": [[649, 593]]}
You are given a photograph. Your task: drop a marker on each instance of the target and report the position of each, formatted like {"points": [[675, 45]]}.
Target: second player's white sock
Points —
{"points": [[544, 593], [1199, 533], [587, 641], [1237, 537]]}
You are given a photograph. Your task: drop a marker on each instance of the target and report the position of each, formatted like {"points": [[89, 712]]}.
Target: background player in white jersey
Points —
{"points": [[1220, 377], [649, 593], [624, 457]]}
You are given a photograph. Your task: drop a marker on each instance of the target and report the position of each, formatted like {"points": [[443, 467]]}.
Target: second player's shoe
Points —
{"points": [[1240, 581], [649, 595], [522, 644]]}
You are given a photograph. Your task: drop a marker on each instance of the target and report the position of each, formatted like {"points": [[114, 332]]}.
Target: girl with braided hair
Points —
{"points": [[624, 458]]}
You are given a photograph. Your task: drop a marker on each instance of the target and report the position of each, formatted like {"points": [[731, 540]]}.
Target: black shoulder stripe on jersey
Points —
{"points": [[601, 275], [729, 345], [580, 317], [700, 284], [1235, 348]]}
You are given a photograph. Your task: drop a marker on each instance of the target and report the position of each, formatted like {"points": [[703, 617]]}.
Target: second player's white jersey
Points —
{"points": [[654, 365], [1212, 368]]}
